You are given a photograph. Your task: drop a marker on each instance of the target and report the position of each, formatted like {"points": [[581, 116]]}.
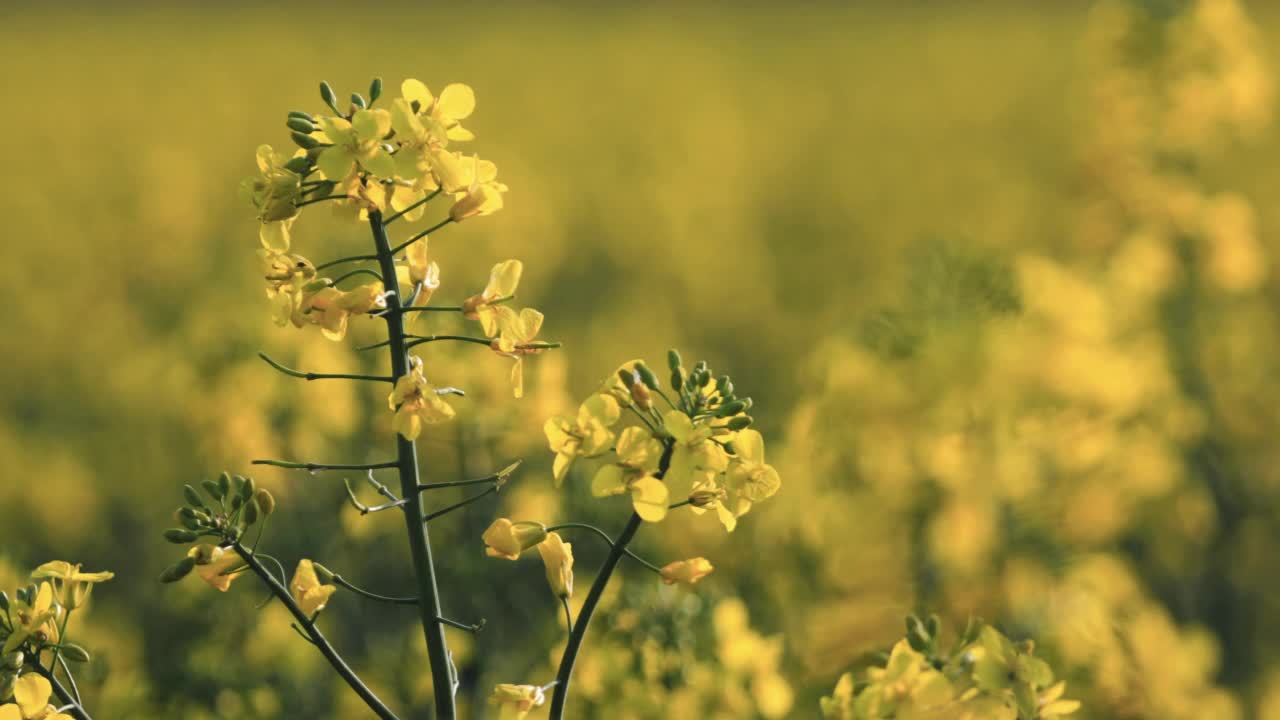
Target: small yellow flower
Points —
{"points": [[747, 480], [417, 403], [686, 571], [357, 145], [73, 586], [515, 333], [275, 193], [638, 456], [306, 589], [516, 701], [31, 701], [695, 459], [504, 278], [442, 115], [483, 195], [421, 273], [37, 620], [505, 539], [586, 435], [557, 555], [214, 565], [331, 308]]}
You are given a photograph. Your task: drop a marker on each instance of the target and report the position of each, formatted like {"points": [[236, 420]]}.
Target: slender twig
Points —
{"points": [[71, 679], [322, 376], [422, 234], [452, 308], [62, 634], [568, 616], [421, 339], [350, 259], [73, 707], [317, 467], [461, 503], [308, 626], [340, 581], [473, 628], [579, 630], [353, 273], [407, 457], [392, 218], [365, 509], [605, 536], [498, 477]]}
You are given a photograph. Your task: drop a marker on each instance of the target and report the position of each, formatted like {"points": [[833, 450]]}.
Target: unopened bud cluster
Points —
{"points": [[229, 506]]}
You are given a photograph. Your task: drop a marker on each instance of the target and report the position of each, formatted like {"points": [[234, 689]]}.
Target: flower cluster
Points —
{"points": [[230, 506], [34, 623], [984, 676]]}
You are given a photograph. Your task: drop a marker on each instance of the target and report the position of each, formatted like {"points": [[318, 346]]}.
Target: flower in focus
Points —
{"points": [[557, 555], [515, 701], [504, 278], [505, 539], [287, 276], [695, 458], [37, 619], [515, 333], [214, 565], [417, 403], [420, 273], [31, 701], [356, 145], [275, 193], [306, 589], [73, 586], [686, 571], [638, 456], [442, 115], [483, 195], [331, 308], [585, 435], [748, 479]]}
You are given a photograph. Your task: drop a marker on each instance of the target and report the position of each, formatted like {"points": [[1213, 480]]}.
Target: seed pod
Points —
{"points": [[251, 512], [75, 653], [180, 536], [933, 624], [24, 596], [178, 570], [640, 394], [306, 142], [673, 359], [330, 98], [700, 366], [300, 125], [266, 501], [375, 90], [646, 376], [740, 422], [192, 496], [301, 116]]}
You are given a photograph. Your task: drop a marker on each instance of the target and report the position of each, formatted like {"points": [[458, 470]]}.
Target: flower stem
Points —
{"points": [[415, 238], [314, 635], [351, 259], [579, 629], [322, 376], [407, 458], [317, 467], [392, 218], [76, 710]]}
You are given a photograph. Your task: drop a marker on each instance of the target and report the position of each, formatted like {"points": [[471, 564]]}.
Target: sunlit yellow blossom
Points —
{"points": [[331, 308], [638, 455], [417, 403], [906, 687], [1052, 706], [306, 589], [585, 435], [695, 457], [36, 620], [504, 278], [505, 539], [214, 563], [421, 273], [275, 193], [557, 555], [287, 277], [686, 571], [1002, 666], [73, 586], [363, 197], [515, 333], [442, 115], [515, 701], [31, 695], [483, 196], [356, 145], [748, 479]]}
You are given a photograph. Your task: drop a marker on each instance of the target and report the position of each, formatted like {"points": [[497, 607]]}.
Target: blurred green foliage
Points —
{"points": [[999, 278]]}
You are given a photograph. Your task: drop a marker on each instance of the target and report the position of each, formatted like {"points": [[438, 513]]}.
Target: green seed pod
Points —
{"points": [[298, 166], [306, 142], [646, 376], [724, 386], [673, 359], [192, 496], [249, 488], [180, 536], [75, 653], [301, 116], [730, 408], [251, 512], [741, 422], [329, 96], [13, 660], [266, 501], [375, 90], [300, 125], [224, 485], [358, 100], [627, 377], [179, 570]]}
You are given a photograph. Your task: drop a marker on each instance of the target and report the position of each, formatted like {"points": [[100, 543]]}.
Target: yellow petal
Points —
{"points": [[336, 163], [504, 278], [414, 90], [609, 480], [10, 712], [649, 496], [32, 692], [457, 101]]}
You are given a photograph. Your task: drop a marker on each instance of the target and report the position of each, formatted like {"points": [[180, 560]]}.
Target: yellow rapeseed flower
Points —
{"points": [[686, 571], [482, 196], [585, 435], [442, 115], [557, 555], [31, 701], [515, 701], [357, 145], [37, 619], [306, 589], [505, 539], [638, 456], [504, 278], [417, 403], [421, 273], [515, 332], [73, 586]]}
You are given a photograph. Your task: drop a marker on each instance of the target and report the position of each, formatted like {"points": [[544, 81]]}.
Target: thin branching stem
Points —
{"points": [[353, 273], [608, 540], [343, 260], [73, 706], [341, 582], [313, 201], [322, 376], [392, 218], [498, 477], [420, 235], [71, 679], [318, 467], [460, 504]]}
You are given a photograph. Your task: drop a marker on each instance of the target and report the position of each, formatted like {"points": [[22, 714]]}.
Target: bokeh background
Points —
{"points": [[999, 276]]}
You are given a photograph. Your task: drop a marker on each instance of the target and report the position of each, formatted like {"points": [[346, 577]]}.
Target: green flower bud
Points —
{"points": [[933, 624], [971, 630], [748, 403], [330, 98], [298, 166], [740, 422], [180, 536], [301, 116], [730, 408], [646, 376], [375, 90], [251, 512], [724, 386], [300, 125], [700, 366], [190, 523], [24, 595], [673, 359], [236, 501], [306, 142], [627, 377], [212, 488], [224, 485], [74, 653], [640, 395], [249, 488], [192, 496], [677, 378], [358, 100], [917, 635], [266, 501], [179, 570]]}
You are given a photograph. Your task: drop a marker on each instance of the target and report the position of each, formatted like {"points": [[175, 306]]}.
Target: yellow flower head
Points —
{"points": [[73, 586], [214, 565], [638, 456], [422, 274], [306, 589], [331, 308], [441, 115], [504, 278], [37, 620], [686, 571], [31, 701], [515, 333], [695, 459], [505, 539], [557, 555], [357, 146], [515, 701], [483, 196], [585, 435], [417, 403], [275, 193]]}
